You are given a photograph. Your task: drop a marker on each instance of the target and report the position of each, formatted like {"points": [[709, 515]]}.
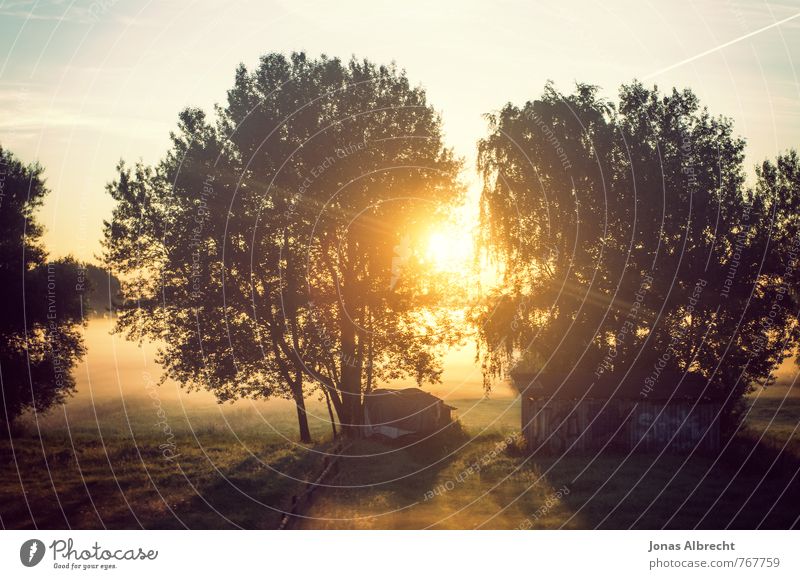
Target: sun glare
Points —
{"points": [[450, 250]]}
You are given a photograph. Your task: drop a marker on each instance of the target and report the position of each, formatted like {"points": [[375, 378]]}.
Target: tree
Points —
{"points": [[40, 340], [263, 248], [779, 183], [630, 243], [102, 292]]}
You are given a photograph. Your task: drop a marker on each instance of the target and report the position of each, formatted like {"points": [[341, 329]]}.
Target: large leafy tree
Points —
{"points": [[272, 250], [40, 339], [779, 183], [630, 243]]}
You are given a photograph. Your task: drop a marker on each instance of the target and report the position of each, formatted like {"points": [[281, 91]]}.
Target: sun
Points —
{"points": [[450, 250]]}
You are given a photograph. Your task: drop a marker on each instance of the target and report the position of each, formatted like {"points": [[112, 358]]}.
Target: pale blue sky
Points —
{"points": [[83, 84]]}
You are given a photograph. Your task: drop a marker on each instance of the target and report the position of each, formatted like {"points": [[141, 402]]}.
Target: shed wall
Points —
{"points": [[553, 425]]}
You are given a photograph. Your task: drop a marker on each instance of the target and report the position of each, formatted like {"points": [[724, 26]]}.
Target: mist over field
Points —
{"points": [[118, 391], [119, 378]]}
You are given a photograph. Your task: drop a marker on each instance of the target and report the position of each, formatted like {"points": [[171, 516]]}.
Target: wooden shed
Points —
{"points": [[394, 413], [578, 412]]}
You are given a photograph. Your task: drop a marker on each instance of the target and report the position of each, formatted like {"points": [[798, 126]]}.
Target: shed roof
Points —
{"points": [[401, 402]]}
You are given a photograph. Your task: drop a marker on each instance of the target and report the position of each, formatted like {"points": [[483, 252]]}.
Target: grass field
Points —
{"points": [[752, 484], [119, 470], [124, 453], [114, 465]]}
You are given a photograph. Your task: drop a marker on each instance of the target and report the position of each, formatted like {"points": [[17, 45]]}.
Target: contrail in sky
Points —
{"points": [[721, 46]]}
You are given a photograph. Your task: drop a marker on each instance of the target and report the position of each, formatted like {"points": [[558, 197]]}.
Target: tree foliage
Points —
{"points": [[40, 339], [631, 243], [269, 249]]}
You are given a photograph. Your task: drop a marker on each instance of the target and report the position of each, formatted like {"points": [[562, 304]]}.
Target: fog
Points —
{"points": [[117, 369]]}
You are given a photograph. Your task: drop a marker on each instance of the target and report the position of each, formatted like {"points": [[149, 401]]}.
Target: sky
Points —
{"points": [[84, 84]]}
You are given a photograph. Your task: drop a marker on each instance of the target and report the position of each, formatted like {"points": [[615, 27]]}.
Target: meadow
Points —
{"points": [[112, 465], [751, 484], [126, 452]]}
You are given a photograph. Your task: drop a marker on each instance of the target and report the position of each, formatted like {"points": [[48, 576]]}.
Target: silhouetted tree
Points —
{"points": [[779, 182], [40, 340], [272, 250], [631, 244]]}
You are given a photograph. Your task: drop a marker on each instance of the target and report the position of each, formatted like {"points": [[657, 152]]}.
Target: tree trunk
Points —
{"points": [[330, 412], [302, 417], [351, 419]]}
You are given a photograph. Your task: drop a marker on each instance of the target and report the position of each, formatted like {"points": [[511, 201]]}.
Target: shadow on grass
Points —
{"points": [[378, 478], [752, 484], [255, 492], [213, 483]]}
